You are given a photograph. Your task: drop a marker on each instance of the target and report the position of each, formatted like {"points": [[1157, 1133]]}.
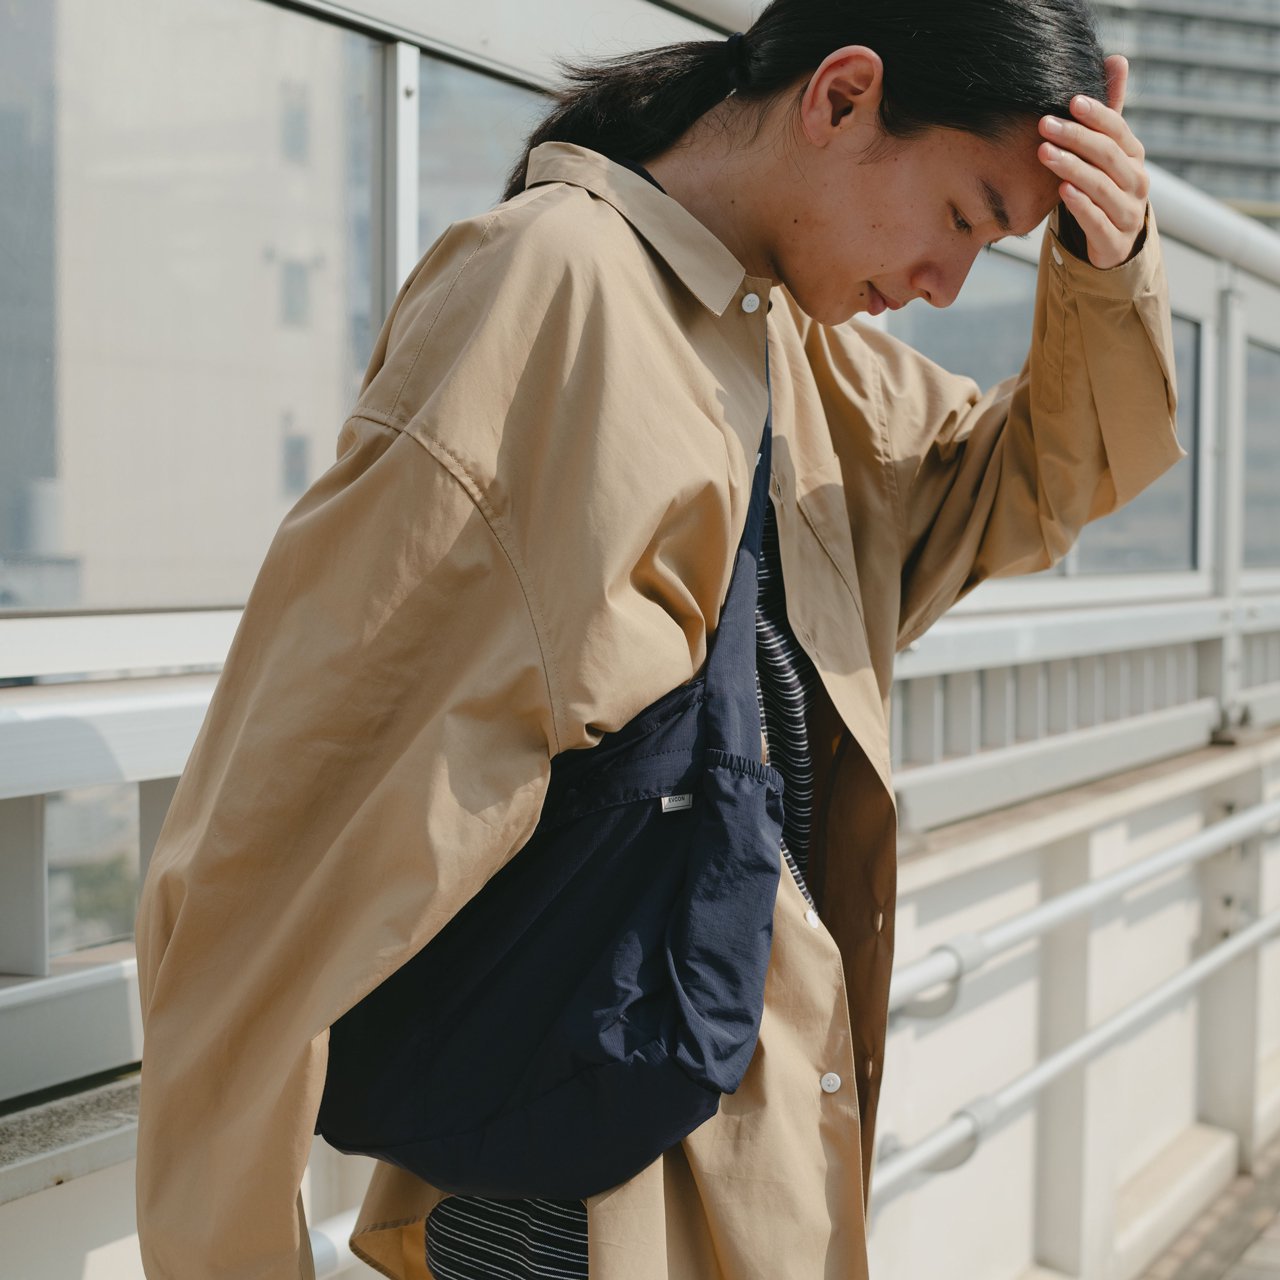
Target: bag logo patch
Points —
{"points": [[671, 803]]}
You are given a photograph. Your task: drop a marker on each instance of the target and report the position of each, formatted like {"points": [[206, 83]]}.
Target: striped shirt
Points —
{"points": [[473, 1238]]}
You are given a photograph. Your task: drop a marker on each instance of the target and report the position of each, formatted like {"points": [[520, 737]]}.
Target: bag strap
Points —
{"points": [[733, 713]]}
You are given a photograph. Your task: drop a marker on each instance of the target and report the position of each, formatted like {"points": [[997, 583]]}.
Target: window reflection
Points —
{"points": [[1262, 458], [186, 197], [1156, 532], [471, 129]]}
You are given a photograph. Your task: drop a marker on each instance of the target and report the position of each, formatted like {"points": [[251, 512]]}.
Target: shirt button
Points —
{"points": [[811, 918], [751, 303], [879, 921], [830, 1082], [1057, 257]]}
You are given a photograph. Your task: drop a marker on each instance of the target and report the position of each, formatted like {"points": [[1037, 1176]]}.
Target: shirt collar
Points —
{"points": [[707, 269]]}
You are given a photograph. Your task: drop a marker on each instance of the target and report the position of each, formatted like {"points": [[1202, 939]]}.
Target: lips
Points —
{"points": [[881, 302]]}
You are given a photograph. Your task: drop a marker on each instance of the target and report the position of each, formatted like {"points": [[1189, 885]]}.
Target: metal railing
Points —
{"points": [[967, 953], [990, 711], [955, 1142]]}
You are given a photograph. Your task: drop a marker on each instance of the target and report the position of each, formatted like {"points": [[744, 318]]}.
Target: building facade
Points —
{"points": [[1205, 92]]}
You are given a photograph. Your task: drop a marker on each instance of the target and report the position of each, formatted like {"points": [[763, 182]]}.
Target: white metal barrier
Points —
{"points": [[967, 953], [954, 1142]]}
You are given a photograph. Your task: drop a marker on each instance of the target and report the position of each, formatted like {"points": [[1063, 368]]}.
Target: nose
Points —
{"points": [[939, 278]]}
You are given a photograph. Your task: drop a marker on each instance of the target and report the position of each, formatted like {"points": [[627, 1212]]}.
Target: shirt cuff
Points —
{"points": [[1129, 280]]}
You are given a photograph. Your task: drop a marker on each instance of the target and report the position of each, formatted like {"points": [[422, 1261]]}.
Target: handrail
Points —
{"points": [[968, 952], [953, 1143], [109, 973], [1186, 213], [980, 641]]}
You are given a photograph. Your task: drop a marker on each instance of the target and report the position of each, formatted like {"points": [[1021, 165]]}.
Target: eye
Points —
{"points": [[958, 221]]}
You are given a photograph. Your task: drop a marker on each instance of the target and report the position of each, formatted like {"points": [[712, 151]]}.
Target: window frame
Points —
{"points": [[1259, 313]]}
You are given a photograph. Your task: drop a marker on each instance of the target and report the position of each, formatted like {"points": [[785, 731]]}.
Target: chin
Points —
{"points": [[827, 310], [838, 314]]}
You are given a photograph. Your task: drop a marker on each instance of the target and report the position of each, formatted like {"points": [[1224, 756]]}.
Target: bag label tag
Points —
{"points": [[671, 803]]}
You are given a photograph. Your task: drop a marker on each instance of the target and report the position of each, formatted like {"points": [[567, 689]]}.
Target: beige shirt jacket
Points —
{"points": [[526, 539]]}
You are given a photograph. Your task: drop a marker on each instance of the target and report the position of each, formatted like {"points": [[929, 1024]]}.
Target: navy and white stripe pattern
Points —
{"points": [[472, 1238], [786, 684]]}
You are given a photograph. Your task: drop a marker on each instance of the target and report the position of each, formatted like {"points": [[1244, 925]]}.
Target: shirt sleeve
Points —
{"points": [[377, 746], [1001, 482]]}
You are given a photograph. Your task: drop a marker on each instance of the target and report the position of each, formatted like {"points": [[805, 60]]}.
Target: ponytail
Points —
{"points": [[637, 105], [982, 66]]}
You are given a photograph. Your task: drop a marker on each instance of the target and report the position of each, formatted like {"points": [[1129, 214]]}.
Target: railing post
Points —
{"points": [[1223, 676], [396, 245], [1229, 1028], [1076, 1158]]}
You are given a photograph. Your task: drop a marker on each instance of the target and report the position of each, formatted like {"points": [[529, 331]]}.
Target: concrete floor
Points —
{"points": [[1238, 1238]]}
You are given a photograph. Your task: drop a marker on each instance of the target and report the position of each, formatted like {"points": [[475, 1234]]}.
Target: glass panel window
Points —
{"points": [[91, 843], [985, 333], [1262, 458], [1156, 532], [471, 130], [186, 198]]}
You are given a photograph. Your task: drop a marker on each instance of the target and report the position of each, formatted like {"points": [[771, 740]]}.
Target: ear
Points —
{"points": [[843, 95]]}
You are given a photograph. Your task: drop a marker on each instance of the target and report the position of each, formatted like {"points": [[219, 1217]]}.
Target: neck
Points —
{"points": [[723, 176]]}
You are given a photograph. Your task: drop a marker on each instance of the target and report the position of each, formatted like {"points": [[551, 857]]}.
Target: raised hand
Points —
{"points": [[1104, 181]]}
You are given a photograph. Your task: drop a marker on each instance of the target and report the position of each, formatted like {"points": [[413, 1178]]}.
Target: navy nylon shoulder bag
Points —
{"points": [[587, 1008]]}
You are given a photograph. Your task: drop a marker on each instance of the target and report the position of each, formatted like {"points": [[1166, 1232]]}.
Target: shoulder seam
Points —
{"points": [[428, 329], [457, 468]]}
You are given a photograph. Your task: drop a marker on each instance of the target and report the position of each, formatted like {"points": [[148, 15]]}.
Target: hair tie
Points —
{"points": [[737, 58]]}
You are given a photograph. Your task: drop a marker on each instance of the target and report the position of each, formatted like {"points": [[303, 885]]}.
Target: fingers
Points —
{"points": [[1074, 149], [1122, 207], [1100, 166], [1108, 245], [1094, 148], [1094, 115], [1117, 66]]}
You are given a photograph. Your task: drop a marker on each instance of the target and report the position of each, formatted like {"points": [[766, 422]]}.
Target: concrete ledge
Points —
{"points": [[950, 791], [929, 858], [1154, 1207], [68, 1138]]}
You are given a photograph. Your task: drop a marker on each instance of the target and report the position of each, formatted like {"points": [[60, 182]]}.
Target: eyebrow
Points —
{"points": [[995, 202]]}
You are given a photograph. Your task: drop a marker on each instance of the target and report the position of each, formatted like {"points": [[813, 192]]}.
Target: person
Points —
{"points": [[526, 538]]}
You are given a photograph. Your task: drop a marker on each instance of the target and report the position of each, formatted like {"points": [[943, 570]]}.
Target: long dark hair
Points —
{"points": [[982, 66]]}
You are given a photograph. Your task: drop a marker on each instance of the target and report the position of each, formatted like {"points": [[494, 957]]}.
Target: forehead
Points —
{"points": [[1002, 182]]}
